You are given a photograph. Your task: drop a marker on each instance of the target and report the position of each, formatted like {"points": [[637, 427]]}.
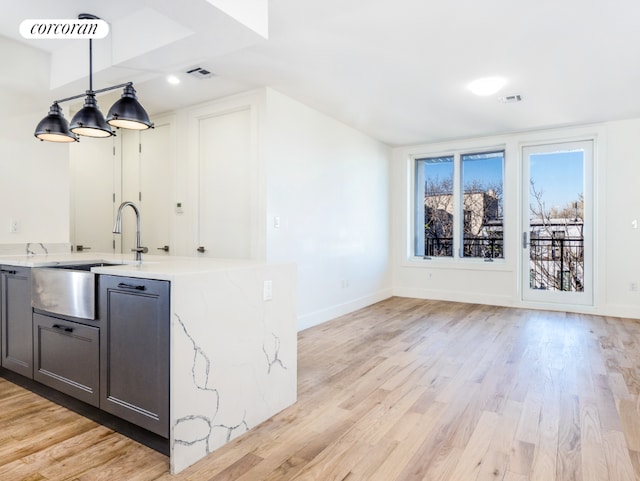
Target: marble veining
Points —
{"points": [[34, 249], [273, 357], [201, 363], [198, 428]]}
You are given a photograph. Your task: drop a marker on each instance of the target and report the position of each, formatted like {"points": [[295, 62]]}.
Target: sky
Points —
{"points": [[559, 175], [486, 170]]}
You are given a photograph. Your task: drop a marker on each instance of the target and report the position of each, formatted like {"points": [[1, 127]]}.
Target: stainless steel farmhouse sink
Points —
{"points": [[69, 290]]}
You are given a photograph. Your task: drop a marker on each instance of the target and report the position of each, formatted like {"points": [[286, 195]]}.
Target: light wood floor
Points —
{"points": [[403, 390]]}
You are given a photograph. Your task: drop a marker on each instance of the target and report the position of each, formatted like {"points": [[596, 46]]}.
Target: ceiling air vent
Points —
{"points": [[200, 72], [510, 99]]}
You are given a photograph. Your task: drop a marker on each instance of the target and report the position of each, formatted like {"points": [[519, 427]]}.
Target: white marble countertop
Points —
{"points": [[151, 267]]}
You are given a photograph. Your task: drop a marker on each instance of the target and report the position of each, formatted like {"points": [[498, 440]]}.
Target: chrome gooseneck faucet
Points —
{"points": [[117, 228]]}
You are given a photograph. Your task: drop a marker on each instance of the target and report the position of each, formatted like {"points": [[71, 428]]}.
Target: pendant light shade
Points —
{"points": [[127, 113], [89, 120], [54, 127]]}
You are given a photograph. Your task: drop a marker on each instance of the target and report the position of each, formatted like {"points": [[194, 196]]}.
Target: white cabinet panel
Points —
{"points": [[93, 165], [227, 192], [156, 187]]}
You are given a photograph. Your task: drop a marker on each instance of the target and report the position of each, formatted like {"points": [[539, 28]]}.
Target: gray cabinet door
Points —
{"points": [[17, 330], [134, 351], [67, 357]]}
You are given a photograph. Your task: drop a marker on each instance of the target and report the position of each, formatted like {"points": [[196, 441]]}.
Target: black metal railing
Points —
{"points": [[484, 247], [438, 247], [556, 263]]}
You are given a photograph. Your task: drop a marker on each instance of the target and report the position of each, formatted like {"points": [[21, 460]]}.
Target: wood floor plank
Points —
{"points": [[619, 465], [475, 451], [569, 462], [404, 390]]}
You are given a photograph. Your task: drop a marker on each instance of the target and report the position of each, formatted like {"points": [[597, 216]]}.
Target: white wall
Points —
{"points": [[617, 204], [34, 175], [621, 256], [328, 185], [34, 187]]}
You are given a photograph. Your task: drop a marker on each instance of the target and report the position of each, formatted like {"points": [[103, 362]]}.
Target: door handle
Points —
{"points": [[201, 249], [81, 248], [164, 248]]}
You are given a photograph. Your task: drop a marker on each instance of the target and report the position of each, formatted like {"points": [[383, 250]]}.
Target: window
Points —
{"points": [[434, 207], [464, 217], [482, 196]]}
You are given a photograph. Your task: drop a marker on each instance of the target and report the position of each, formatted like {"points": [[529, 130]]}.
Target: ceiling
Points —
{"points": [[396, 70]]}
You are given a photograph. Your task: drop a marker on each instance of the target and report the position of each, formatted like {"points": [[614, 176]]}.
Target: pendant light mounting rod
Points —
{"points": [[91, 65], [99, 91]]}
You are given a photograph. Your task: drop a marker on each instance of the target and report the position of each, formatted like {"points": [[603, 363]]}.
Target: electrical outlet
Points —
{"points": [[267, 291], [14, 226], [633, 286]]}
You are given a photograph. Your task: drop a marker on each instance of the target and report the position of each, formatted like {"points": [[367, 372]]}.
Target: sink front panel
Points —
{"points": [[64, 291]]}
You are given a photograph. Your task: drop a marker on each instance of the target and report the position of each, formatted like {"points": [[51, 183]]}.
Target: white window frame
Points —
{"points": [[458, 227]]}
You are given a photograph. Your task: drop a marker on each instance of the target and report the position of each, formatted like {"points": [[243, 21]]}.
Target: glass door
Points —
{"points": [[557, 213]]}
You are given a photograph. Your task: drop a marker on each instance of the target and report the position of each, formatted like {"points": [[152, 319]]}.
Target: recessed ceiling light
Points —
{"points": [[486, 85], [173, 80]]}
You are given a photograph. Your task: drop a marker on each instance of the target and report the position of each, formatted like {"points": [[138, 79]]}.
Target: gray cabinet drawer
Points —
{"points": [[67, 357]]}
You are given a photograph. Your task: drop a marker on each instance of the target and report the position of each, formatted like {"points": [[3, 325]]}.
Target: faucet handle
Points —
{"points": [[142, 250]]}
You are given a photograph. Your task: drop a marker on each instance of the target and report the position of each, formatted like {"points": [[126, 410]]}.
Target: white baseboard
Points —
{"points": [[318, 317], [621, 310], [615, 310], [454, 296]]}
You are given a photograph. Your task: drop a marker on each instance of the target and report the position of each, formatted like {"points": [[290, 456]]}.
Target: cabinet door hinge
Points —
{"points": [[114, 197], [139, 196], [140, 148]]}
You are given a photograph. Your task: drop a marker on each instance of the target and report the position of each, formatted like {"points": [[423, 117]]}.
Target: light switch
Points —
{"points": [[634, 224]]}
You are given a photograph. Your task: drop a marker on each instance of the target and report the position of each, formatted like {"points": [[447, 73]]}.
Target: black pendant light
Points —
{"points": [[126, 113], [54, 127], [89, 120]]}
